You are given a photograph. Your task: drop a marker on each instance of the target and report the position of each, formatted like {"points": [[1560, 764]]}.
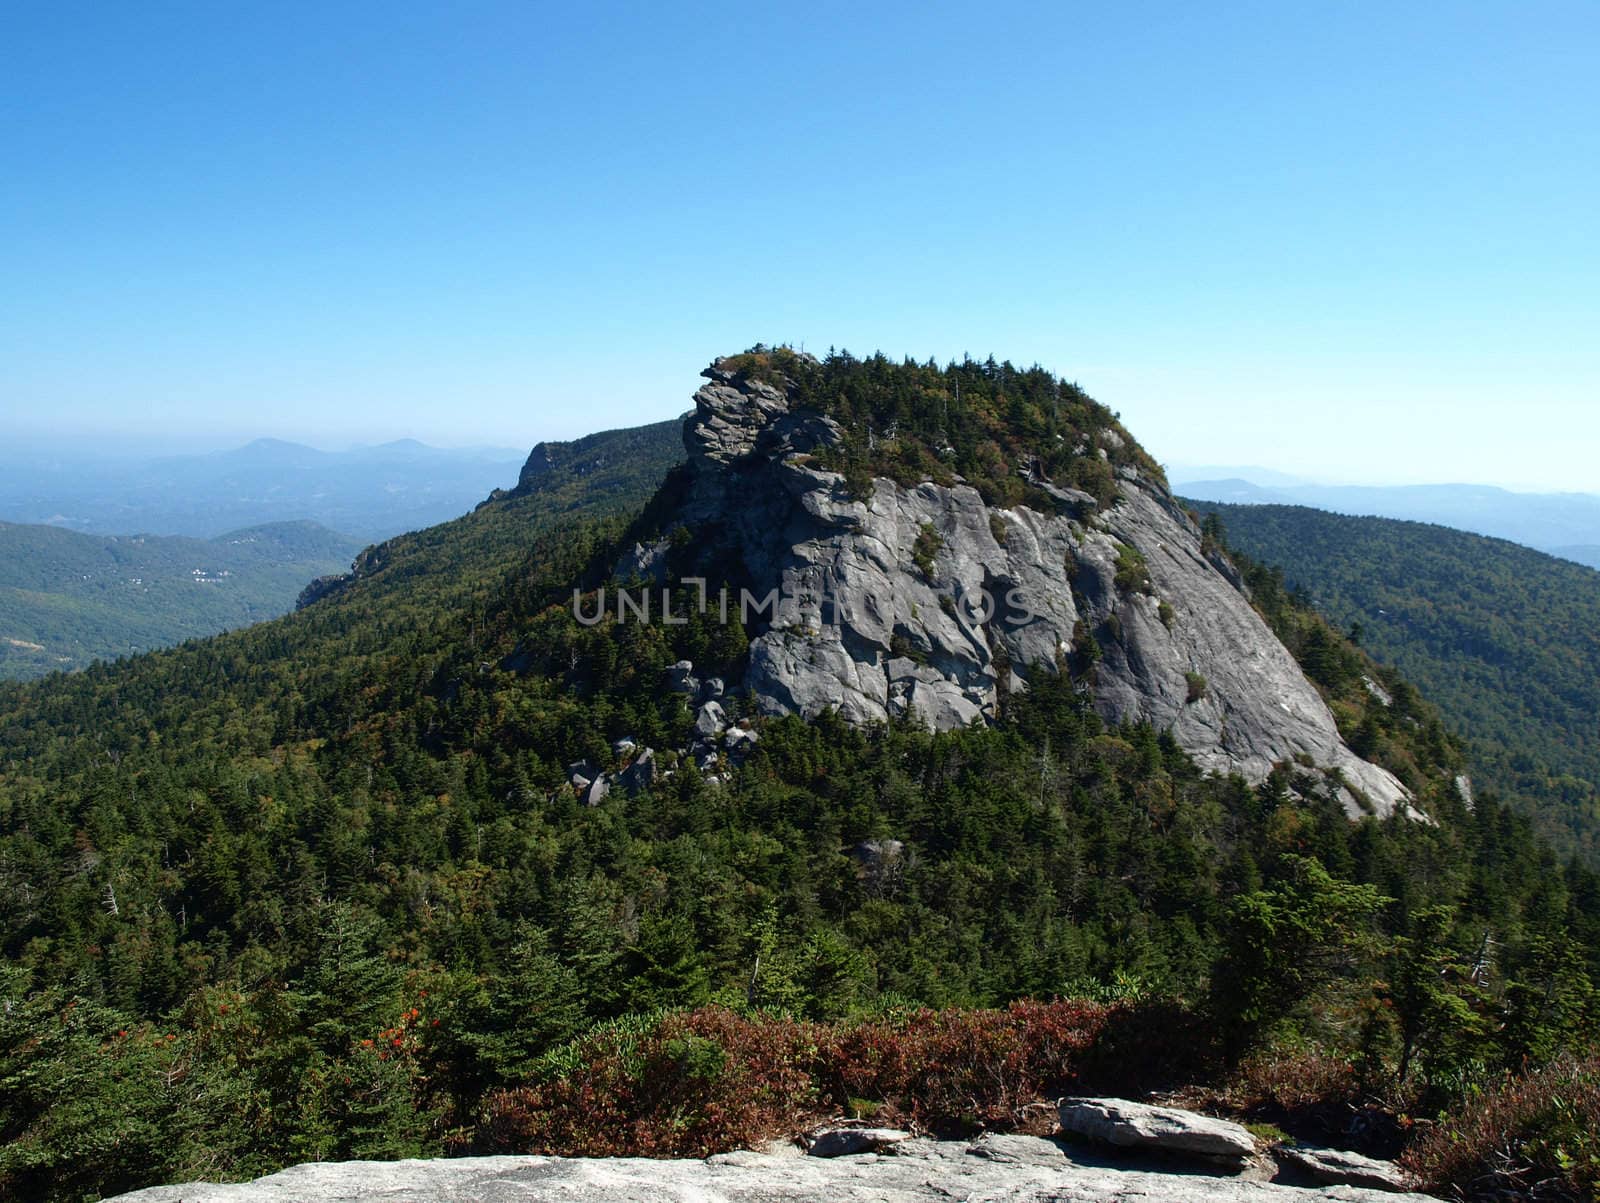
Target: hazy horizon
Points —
{"points": [[72, 446], [69, 449]]}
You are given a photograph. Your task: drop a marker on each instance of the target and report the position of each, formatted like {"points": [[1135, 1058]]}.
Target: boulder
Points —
{"points": [[710, 722], [641, 774], [848, 1142], [647, 561], [876, 852], [598, 789], [680, 678], [1130, 1125], [1338, 1167]]}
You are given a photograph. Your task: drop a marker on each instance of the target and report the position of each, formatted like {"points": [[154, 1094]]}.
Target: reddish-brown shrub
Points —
{"points": [[680, 1085], [1291, 1080], [1534, 1136], [951, 1071], [694, 1083]]}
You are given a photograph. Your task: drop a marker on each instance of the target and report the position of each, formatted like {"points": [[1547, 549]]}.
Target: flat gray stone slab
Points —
{"points": [[1131, 1125], [1337, 1166], [1004, 1169], [849, 1142]]}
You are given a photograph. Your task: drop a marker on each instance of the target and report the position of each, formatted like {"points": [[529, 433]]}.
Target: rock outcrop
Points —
{"points": [[997, 1169], [925, 600]]}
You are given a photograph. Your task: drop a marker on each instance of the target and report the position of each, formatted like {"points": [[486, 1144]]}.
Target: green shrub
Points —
{"points": [[1133, 574], [1197, 686], [1095, 477], [928, 544], [1536, 1130], [1285, 944]]}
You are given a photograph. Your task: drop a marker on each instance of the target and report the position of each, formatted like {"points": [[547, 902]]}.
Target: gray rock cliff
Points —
{"points": [[924, 600]]}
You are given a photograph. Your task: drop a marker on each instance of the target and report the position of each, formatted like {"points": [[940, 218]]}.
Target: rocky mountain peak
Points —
{"points": [[738, 416], [895, 595]]}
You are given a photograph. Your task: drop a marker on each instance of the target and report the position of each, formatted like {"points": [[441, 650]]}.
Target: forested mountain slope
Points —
{"points": [[1504, 639], [67, 599], [328, 887]]}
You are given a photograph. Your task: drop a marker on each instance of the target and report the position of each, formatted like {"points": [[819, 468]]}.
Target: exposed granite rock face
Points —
{"points": [[999, 596], [996, 1169], [321, 587]]}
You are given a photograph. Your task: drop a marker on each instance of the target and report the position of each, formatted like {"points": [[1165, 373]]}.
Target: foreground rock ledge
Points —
{"points": [[994, 1169]]}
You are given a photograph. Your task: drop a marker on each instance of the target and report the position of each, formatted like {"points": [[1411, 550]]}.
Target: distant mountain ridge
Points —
{"points": [[372, 493], [67, 599], [1582, 553], [1546, 521]]}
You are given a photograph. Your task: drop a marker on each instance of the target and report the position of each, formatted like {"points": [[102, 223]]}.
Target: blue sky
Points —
{"points": [[1354, 241]]}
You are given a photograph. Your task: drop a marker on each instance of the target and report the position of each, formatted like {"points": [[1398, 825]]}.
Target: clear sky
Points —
{"points": [[1357, 241]]}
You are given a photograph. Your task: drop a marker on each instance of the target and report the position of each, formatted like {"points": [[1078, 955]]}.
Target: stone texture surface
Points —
{"points": [[861, 628], [848, 1142], [1338, 1166], [1131, 1125], [1003, 1169]]}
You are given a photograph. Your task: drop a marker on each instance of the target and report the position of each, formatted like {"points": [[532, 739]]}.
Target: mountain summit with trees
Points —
{"points": [[392, 876], [941, 539]]}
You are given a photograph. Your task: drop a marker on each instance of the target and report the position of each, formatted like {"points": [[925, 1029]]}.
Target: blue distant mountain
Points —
{"points": [[1582, 553], [370, 493], [1565, 524]]}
